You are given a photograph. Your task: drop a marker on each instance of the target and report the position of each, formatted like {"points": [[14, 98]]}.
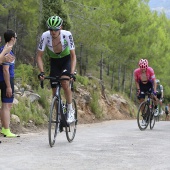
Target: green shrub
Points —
{"points": [[45, 97], [95, 107], [25, 73], [26, 111], [82, 80]]}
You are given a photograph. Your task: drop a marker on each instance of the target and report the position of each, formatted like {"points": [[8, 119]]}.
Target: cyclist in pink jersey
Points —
{"points": [[145, 81]]}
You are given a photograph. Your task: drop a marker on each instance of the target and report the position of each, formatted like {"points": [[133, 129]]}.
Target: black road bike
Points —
{"points": [[58, 114], [145, 114]]}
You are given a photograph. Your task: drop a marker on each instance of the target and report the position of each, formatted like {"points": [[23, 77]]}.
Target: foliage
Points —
{"points": [[82, 80], [27, 111], [44, 101], [25, 73], [95, 106], [109, 35]]}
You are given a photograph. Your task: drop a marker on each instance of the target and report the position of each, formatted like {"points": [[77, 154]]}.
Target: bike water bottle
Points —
{"points": [[64, 108]]}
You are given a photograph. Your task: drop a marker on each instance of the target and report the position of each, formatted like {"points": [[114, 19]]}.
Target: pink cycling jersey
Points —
{"points": [[149, 74]]}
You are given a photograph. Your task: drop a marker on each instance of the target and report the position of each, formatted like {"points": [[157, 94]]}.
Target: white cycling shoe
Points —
{"points": [[70, 116], [143, 123], [156, 112]]}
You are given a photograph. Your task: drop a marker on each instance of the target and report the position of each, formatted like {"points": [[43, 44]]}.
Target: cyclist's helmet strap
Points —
{"points": [[143, 63], [54, 22]]}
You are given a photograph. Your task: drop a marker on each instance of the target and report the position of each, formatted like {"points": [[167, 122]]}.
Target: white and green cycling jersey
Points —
{"points": [[66, 40]]}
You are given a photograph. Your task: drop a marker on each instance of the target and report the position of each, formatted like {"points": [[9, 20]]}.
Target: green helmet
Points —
{"points": [[54, 22]]}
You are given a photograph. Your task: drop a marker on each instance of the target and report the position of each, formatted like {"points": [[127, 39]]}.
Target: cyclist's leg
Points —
{"points": [[161, 110], [55, 70], [155, 99], [66, 67], [143, 89], [141, 98], [68, 96], [159, 103]]}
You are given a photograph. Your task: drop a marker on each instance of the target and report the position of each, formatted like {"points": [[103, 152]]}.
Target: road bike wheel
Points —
{"points": [[71, 128], [53, 125], [152, 120], [143, 115]]}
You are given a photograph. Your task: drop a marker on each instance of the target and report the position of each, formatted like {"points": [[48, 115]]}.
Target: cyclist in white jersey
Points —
{"points": [[61, 49]]}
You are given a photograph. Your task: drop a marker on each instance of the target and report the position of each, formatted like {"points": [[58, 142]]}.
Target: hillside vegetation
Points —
{"points": [[94, 102], [110, 38]]}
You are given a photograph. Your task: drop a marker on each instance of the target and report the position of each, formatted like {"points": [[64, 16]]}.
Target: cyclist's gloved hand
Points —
{"points": [[154, 93], [72, 77], [138, 92], [41, 75]]}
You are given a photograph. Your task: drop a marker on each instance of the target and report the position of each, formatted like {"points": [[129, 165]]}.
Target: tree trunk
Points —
{"points": [[112, 81], [86, 63], [81, 45], [108, 67], [101, 67], [119, 77], [124, 79]]}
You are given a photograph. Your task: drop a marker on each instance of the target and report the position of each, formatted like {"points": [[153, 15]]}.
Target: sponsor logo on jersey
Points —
{"points": [[41, 43], [71, 41], [65, 44]]}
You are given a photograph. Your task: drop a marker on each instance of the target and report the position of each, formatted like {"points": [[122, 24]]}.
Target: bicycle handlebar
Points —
{"points": [[58, 79]]}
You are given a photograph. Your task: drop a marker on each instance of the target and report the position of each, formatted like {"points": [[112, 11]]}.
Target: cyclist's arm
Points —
{"points": [[40, 61], [154, 85], [136, 79], [41, 48], [152, 76], [137, 85], [69, 39], [73, 61]]}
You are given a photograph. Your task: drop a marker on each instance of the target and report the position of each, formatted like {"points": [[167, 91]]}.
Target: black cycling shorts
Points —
{"points": [[148, 87], [166, 112], [59, 67], [159, 96], [4, 98]]}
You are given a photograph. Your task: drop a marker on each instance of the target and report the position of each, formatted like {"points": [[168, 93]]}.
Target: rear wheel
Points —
{"points": [[53, 125], [143, 115], [71, 128]]}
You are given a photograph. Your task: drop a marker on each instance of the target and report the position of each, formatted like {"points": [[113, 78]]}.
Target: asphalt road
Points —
{"points": [[111, 145]]}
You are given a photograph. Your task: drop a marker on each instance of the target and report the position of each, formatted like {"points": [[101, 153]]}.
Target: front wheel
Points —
{"points": [[152, 119], [143, 115], [54, 121], [71, 128]]}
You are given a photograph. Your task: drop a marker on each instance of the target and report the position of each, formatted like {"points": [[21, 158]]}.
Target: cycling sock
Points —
{"points": [[69, 107]]}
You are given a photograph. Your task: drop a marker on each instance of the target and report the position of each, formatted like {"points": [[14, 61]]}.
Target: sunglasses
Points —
{"points": [[53, 29]]}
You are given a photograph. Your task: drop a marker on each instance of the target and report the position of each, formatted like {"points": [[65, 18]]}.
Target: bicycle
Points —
{"points": [[58, 114], [146, 113]]}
